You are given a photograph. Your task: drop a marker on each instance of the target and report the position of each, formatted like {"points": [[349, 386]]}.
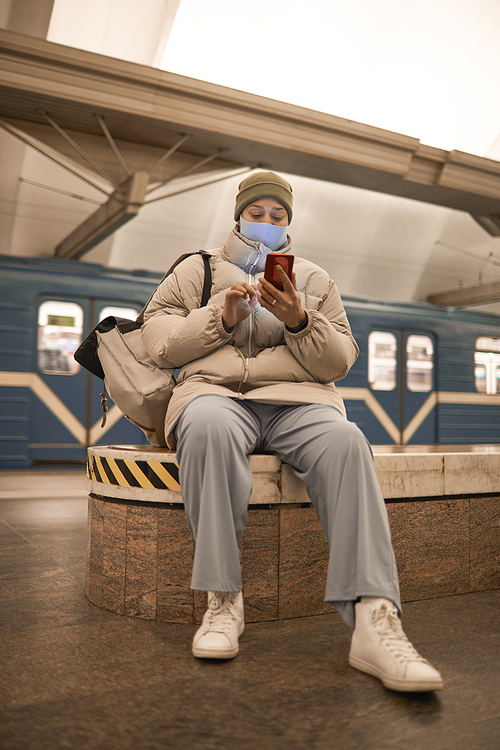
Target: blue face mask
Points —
{"points": [[269, 235]]}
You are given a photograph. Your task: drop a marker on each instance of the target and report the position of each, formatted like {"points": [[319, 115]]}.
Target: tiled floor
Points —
{"points": [[73, 676]]}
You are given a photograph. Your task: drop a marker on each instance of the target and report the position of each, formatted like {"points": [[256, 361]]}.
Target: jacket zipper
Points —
{"points": [[249, 279]]}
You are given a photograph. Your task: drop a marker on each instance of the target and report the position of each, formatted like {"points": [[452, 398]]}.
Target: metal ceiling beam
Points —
{"points": [[119, 158], [49, 154], [474, 295], [153, 107], [93, 164], [184, 173], [489, 223], [198, 184], [166, 156], [107, 219]]}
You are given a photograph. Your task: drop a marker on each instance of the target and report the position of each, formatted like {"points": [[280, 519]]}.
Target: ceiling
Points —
{"points": [[134, 134], [112, 119]]}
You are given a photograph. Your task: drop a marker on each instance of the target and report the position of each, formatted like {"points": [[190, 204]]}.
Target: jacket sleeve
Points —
{"points": [[176, 330], [325, 347]]}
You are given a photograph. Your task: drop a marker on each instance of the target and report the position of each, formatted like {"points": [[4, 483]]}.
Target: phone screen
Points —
{"points": [[271, 273]]}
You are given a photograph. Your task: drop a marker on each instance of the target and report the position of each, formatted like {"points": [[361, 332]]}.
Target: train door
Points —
{"points": [[65, 408], [401, 377]]}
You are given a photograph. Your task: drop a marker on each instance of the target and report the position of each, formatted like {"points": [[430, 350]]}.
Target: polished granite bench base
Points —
{"points": [[140, 550], [141, 559]]}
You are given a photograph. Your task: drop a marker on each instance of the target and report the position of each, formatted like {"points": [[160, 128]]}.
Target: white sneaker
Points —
{"points": [[380, 648], [223, 623]]}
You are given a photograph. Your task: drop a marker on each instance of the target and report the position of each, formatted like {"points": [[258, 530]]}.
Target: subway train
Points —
{"points": [[425, 374]]}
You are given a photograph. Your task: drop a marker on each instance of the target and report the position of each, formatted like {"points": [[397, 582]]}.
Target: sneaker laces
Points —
{"points": [[388, 626], [220, 614]]}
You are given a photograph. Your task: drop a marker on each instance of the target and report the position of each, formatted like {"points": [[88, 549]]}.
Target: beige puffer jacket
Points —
{"points": [[259, 359]]}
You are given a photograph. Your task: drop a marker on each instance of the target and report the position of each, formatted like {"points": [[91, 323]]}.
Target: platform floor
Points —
{"points": [[75, 677]]}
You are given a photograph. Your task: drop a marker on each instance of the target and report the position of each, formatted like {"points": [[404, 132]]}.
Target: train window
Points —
{"points": [[487, 365], [382, 348], [488, 344], [60, 326], [419, 363], [119, 312], [480, 377]]}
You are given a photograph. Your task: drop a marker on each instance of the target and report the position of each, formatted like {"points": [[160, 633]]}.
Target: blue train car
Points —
{"points": [[425, 374], [50, 406]]}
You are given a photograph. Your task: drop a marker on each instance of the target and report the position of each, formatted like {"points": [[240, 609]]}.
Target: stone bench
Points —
{"points": [[443, 506]]}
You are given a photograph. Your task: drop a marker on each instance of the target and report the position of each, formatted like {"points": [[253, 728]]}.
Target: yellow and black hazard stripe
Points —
{"points": [[129, 473]]}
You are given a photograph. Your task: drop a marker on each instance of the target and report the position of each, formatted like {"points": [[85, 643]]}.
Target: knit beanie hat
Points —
{"points": [[264, 185]]}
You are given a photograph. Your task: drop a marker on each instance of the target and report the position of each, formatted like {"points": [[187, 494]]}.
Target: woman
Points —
{"points": [[257, 374]]}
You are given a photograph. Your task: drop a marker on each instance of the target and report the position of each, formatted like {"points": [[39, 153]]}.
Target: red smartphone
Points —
{"points": [[271, 273]]}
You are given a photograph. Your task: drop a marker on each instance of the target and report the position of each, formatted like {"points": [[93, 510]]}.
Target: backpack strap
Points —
{"points": [[207, 281]]}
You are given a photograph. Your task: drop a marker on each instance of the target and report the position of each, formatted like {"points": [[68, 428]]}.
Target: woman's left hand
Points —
{"points": [[285, 305]]}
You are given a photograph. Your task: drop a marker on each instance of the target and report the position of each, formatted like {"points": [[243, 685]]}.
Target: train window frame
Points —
{"points": [[487, 357], [56, 339], [420, 372], [374, 380]]}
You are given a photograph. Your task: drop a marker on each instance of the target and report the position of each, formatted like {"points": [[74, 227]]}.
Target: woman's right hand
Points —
{"points": [[239, 302]]}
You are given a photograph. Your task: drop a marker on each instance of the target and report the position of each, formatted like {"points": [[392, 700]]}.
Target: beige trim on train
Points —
{"points": [[47, 396], [436, 397]]}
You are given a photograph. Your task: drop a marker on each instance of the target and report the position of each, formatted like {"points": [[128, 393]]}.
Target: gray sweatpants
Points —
{"points": [[215, 437]]}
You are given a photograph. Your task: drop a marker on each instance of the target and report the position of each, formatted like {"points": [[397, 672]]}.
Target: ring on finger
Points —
{"points": [[274, 302]]}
